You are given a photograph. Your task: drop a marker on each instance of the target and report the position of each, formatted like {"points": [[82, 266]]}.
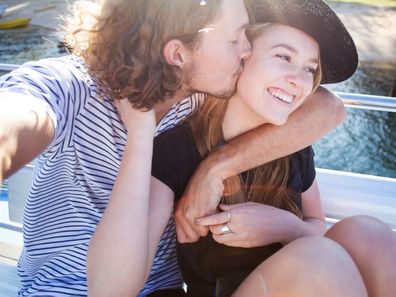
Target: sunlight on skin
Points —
{"points": [[205, 30], [260, 289]]}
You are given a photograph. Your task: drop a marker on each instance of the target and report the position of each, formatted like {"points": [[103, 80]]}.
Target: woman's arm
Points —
{"points": [[313, 222], [307, 124], [312, 210]]}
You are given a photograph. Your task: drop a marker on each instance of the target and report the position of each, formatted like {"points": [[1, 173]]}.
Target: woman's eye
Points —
{"points": [[311, 70], [234, 41], [283, 57]]}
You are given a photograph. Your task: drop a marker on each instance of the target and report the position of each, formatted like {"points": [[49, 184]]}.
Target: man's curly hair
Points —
{"points": [[122, 42]]}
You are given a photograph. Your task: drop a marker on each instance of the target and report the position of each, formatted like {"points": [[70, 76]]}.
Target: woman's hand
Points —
{"points": [[251, 224]]}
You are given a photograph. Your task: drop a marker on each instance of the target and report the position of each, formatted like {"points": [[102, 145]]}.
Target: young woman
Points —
{"points": [[264, 241], [283, 70]]}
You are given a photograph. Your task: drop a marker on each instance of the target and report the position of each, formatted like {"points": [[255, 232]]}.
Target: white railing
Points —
{"points": [[371, 102], [8, 67]]}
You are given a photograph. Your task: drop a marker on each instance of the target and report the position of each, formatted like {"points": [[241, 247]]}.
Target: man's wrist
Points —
{"points": [[218, 164]]}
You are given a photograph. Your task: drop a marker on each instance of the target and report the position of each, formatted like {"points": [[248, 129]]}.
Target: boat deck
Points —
{"points": [[344, 194], [10, 248], [9, 283]]}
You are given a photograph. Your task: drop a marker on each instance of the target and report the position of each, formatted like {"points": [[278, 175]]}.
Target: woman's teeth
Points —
{"points": [[282, 96]]}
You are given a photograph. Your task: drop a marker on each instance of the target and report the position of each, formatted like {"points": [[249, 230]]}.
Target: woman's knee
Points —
{"points": [[320, 258], [314, 260], [361, 229], [316, 251], [372, 245]]}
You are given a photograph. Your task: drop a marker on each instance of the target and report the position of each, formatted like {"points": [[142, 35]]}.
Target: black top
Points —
{"points": [[175, 159]]}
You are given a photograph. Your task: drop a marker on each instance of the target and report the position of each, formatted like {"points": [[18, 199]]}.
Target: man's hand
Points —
{"points": [[26, 129], [201, 197]]}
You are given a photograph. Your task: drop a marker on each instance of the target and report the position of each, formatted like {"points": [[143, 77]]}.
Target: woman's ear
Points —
{"points": [[175, 53]]}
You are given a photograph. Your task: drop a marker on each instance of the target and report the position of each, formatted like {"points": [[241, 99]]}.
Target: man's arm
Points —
{"points": [[25, 131], [123, 246], [314, 119]]}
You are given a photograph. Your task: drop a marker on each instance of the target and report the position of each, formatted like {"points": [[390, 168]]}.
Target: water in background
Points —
{"points": [[364, 143], [4, 192], [30, 43]]}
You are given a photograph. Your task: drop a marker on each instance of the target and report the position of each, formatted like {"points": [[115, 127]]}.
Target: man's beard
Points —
{"points": [[225, 93]]}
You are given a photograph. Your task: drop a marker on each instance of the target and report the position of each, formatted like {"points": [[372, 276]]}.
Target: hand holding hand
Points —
{"points": [[250, 224], [201, 197]]}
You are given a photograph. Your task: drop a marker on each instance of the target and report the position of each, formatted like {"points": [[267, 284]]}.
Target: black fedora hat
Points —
{"points": [[338, 54]]}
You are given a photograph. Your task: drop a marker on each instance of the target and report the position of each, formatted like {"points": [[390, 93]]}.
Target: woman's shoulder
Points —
{"points": [[304, 154], [175, 157], [180, 134]]}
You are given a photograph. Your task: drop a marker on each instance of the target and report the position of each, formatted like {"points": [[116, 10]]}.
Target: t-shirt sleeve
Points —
{"points": [[61, 87], [308, 171], [175, 158]]}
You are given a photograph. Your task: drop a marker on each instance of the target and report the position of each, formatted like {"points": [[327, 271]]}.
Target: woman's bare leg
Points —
{"points": [[307, 267], [372, 245]]}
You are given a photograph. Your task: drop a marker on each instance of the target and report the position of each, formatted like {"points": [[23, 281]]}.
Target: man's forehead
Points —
{"points": [[232, 15]]}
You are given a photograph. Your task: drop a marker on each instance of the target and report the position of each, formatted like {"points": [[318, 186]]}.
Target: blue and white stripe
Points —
{"points": [[74, 178]]}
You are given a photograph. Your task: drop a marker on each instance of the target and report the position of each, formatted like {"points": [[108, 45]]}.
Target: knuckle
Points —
{"points": [[202, 232], [217, 238], [191, 238], [188, 210], [181, 239], [190, 214], [178, 216]]}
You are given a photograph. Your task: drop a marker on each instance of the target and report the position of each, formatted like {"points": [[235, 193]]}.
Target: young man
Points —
{"points": [[155, 53]]}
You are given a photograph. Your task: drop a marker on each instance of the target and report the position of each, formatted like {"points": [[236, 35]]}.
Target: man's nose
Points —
{"points": [[246, 49]]}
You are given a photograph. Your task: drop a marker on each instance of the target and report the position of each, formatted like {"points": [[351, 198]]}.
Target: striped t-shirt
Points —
{"points": [[74, 178]]}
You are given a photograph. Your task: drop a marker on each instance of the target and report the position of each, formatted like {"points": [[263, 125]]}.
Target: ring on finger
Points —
{"points": [[225, 229], [228, 216]]}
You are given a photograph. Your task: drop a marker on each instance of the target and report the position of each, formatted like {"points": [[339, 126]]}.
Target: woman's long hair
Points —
{"points": [[122, 43], [266, 184]]}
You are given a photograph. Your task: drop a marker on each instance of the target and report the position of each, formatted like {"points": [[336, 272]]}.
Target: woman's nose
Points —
{"points": [[295, 77]]}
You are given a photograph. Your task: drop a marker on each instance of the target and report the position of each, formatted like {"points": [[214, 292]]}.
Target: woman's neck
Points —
{"points": [[239, 118]]}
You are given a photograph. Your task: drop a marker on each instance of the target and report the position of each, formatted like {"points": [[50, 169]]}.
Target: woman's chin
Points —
{"points": [[279, 121]]}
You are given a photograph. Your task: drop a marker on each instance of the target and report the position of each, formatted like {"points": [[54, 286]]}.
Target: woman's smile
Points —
{"points": [[281, 94]]}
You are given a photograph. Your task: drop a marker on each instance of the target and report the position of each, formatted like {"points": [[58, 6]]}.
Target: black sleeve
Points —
{"points": [[308, 172], [302, 171], [175, 158]]}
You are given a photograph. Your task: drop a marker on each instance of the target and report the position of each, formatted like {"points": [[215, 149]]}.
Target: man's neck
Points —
{"points": [[162, 108]]}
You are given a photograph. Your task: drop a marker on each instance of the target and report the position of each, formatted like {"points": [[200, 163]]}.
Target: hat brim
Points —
{"points": [[339, 57]]}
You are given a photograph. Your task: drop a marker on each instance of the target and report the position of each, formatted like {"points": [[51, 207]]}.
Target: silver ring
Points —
{"points": [[225, 229], [228, 216]]}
